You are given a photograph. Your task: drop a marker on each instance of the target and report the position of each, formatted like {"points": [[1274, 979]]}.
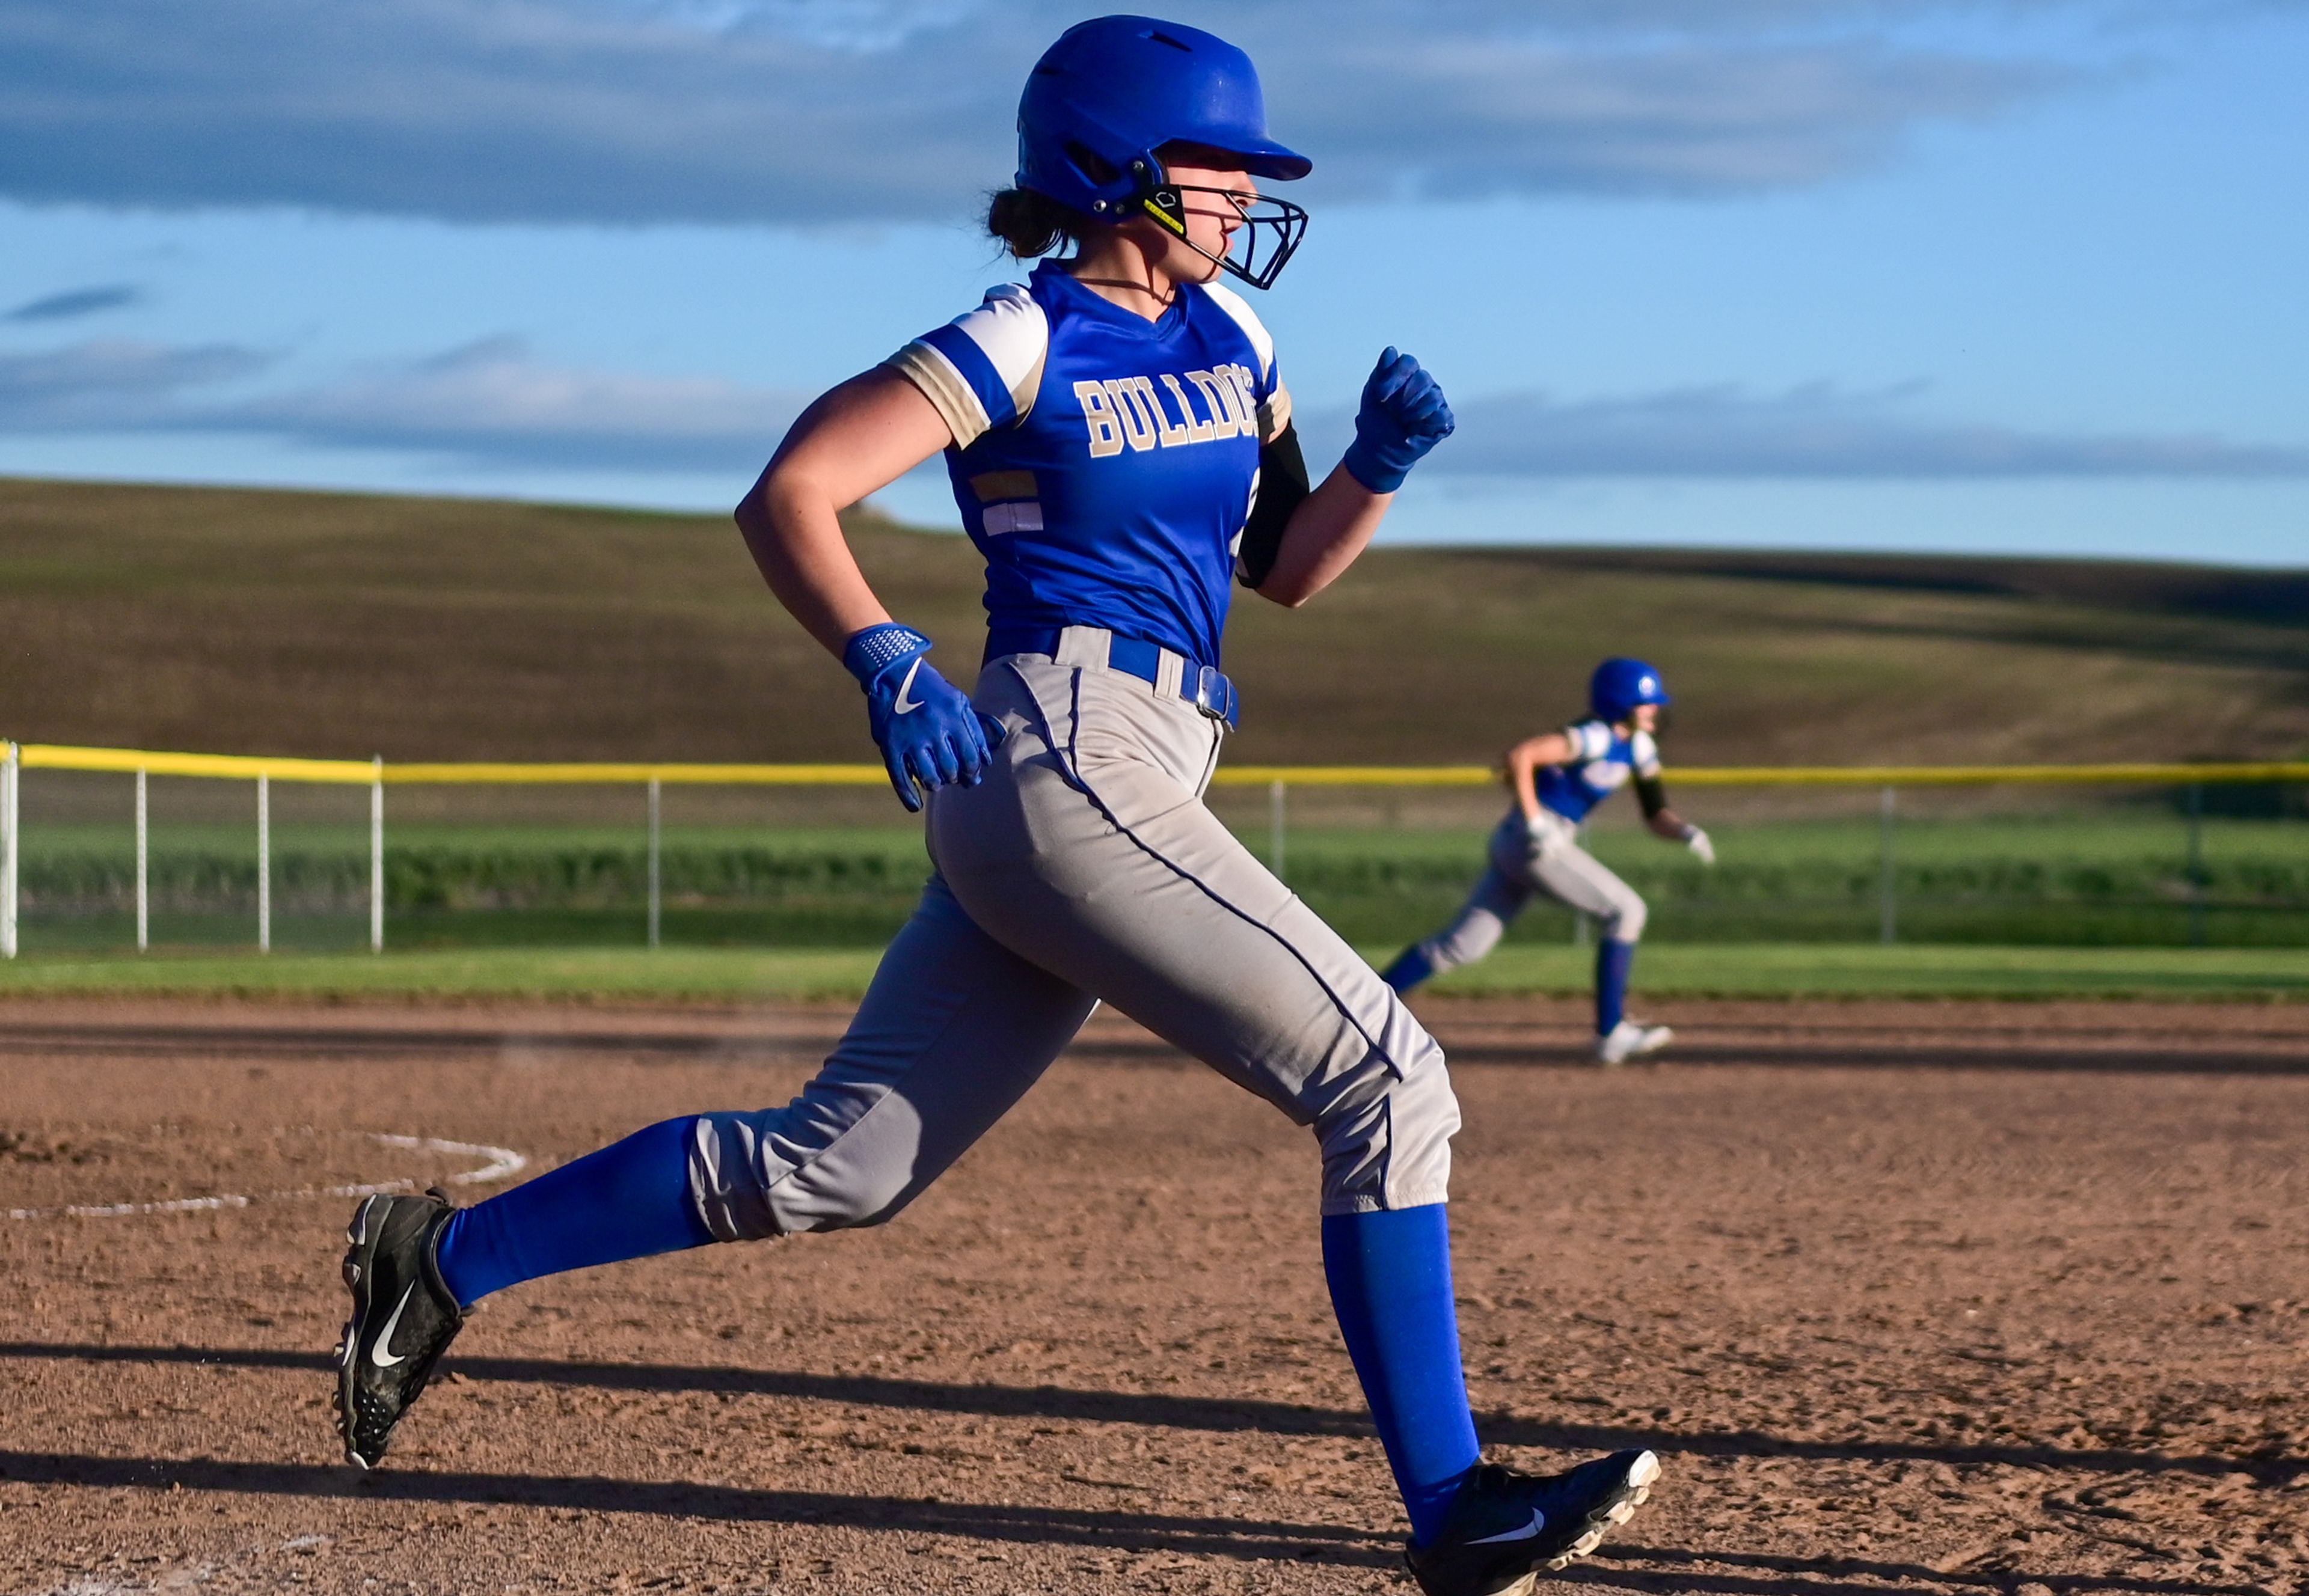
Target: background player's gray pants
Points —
{"points": [[1086, 869], [1543, 858]]}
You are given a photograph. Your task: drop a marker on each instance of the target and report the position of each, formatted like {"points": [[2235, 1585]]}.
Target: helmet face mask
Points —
{"points": [[1265, 238]]}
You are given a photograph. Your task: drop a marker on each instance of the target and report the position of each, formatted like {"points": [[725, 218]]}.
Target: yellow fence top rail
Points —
{"points": [[48, 756], [363, 771], [1356, 775], [1963, 775], [1859, 775], [738, 775]]}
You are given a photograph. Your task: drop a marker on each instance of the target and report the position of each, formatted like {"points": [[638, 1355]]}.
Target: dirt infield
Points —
{"points": [[1911, 1297]]}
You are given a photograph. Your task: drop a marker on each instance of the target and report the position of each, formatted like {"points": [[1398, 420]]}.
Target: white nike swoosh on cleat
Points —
{"points": [[1538, 1522], [905, 707], [380, 1350]]}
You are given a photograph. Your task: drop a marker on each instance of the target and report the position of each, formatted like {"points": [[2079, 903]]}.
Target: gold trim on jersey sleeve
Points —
{"points": [[956, 404]]}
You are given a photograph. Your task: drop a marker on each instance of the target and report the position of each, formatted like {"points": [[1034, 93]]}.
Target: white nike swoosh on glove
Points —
{"points": [[904, 706], [380, 1352], [1538, 1522]]}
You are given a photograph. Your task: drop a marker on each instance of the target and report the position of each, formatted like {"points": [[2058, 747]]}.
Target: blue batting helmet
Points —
{"points": [[1619, 685], [1115, 89]]}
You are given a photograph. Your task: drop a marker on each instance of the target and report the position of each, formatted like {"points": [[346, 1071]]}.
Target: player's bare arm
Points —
{"points": [[861, 437], [1670, 826], [1298, 542], [854, 440], [1327, 533], [1523, 763]]}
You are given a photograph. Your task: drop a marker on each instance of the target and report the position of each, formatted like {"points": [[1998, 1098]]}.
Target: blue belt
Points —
{"points": [[1205, 687]]}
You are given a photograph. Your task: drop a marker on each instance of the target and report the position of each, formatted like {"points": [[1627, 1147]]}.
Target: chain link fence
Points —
{"points": [[114, 848]]}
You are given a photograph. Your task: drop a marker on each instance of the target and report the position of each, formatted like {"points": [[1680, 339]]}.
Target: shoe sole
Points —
{"points": [[361, 1246], [1644, 1051], [1634, 1492]]}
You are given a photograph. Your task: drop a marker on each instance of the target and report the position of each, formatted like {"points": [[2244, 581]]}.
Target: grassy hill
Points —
{"points": [[339, 624]]}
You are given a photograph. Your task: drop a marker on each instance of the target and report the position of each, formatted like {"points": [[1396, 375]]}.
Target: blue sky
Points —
{"points": [[2001, 275]]}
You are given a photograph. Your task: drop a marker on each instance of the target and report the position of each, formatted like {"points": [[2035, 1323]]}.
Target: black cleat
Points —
{"points": [[403, 1318], [1505, 1528]]}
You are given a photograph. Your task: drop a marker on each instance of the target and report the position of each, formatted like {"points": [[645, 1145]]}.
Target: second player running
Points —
{"points": [[1557, 778]]}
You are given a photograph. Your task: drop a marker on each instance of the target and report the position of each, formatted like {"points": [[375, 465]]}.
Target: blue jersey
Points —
{"points": [[1602, 760], [1104, 464]]}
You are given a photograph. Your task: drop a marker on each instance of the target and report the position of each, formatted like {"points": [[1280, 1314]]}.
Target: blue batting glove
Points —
{"points": [[928, 731], [1403, 417]]}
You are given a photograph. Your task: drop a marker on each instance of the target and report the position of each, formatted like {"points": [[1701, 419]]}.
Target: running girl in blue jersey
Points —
{"points": [[1558, 777], [1120, 443]]}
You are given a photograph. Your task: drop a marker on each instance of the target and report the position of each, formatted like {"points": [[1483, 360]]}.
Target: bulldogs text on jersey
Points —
{"points": [[1102, 463]]}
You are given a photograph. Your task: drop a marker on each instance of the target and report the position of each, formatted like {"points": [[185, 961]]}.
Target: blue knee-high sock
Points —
{"points": [[628, 1200], [1390, 1275], [1410, 969], [1614, 958]]}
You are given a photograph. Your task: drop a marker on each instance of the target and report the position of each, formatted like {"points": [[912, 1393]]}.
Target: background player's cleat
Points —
{"points": [[403, 1318], [1506, 1528], [1632, 1039]]}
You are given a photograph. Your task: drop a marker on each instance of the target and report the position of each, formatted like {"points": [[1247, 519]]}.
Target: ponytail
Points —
{"points": [[1029, 223]]}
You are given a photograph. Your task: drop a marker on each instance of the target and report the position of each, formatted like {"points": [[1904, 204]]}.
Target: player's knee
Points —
{"points": [[1472, 939], [747, 1184], [1625, 922], [1386, 1138], [808, 1200]]}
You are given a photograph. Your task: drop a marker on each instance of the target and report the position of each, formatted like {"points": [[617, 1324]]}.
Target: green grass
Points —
{"points": [[1859, 970], [2076, 879], [2110, 878], [732, 974]]}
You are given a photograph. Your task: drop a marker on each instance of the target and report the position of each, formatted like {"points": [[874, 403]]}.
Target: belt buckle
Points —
{"points": [[1214, 695]]}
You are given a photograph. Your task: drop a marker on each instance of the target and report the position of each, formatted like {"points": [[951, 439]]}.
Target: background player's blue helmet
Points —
{"points": [[1114, 91], [1619, 685]]}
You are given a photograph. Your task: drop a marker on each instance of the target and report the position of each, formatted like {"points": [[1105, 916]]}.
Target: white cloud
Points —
{"points": [[491, 403], [494, 403], [779, 111], [104, 384]]}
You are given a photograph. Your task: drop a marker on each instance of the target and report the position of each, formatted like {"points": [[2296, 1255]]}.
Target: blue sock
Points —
{"points": [[1614, 958], [1390, 1275], [628, 1200], [1410, 969]]}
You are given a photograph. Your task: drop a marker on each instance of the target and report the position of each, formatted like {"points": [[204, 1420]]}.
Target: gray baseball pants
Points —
{"points": [[1547, 859], [1085, 869]]}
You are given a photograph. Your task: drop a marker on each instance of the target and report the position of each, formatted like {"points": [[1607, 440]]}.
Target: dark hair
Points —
{"points": [[1031, 223]]}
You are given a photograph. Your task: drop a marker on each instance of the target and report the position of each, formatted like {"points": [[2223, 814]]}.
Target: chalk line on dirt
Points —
{"points": [[503, 1163]]}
